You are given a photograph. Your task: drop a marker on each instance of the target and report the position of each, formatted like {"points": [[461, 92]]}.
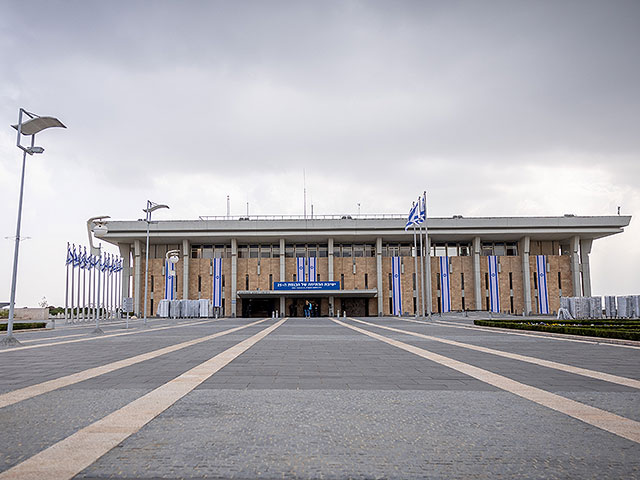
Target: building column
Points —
{"points": [[585, 250], [477, 282], [234, 275], [283, 274], [330, 273], [525, 248], [575, 266], [137, 279], [381, 290], [186, 250], [125, 253]]}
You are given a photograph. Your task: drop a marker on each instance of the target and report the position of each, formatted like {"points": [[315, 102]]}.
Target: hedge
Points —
{"points": [[625, 333], [23, 326]]}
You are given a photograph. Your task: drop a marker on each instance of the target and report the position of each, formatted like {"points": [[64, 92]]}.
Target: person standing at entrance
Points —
{"points": [[307, 309]]}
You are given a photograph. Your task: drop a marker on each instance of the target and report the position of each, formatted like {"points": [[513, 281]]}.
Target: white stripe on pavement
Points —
{"points": [[68, 457], [621, 426], [31, 391], [607, 377]]}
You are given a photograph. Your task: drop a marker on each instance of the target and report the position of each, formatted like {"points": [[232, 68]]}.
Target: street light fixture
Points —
{"points": [[172, 256], [28, 128], [151, 207]]}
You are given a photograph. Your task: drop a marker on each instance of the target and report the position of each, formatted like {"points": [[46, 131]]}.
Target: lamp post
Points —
{"points": [[151, 207], [99, 229], [172, 256], [35, 124]]}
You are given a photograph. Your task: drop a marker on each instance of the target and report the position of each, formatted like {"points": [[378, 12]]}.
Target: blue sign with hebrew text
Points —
{"points": [[306, 285]]}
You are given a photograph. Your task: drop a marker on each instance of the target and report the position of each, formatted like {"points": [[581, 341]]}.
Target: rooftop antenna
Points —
{"points": [[618, 209], [247, 209], [358, 208], [228, 207], [304, 192]]}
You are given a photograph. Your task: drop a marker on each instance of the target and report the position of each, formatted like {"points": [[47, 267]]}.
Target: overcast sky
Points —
{"points": [[495, 108]]}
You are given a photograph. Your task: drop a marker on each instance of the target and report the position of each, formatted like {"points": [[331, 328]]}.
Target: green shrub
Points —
{"points": [[626, 332], [23, 326]]}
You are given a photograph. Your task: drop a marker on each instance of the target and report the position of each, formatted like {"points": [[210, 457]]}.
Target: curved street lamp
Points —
{"points": [[151, 207], [35, 124]]}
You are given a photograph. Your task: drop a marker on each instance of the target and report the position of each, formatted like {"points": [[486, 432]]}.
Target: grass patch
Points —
{"points": [[621, 329], [23, 326]]}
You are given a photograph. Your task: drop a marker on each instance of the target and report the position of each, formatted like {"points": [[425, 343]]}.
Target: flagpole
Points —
{"points": [[422, 274], [428, 255], [66, 289], [415, 270]]}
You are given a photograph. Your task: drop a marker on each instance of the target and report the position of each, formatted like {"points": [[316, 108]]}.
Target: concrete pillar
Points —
{"points": [[137, 279], [330, 273], [525, 248], [283, 273], [381, 290], [477, 281], [427, 268], [125, 253], [186, 251], [574, 249], [234, 275], [585, 250]]}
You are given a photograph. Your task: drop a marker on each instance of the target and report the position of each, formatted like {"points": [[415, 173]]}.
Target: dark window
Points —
{"points": [[487, 303], [317, 277], [438, 283], [253, 251], [511, 280], [246, 281], [462, 281], [439, 306], [413, 279], [294, 277], [199, 283], [270, 281], [511, 300], [486, 280], [535, 281], [463, 307], [415, 305], [366, 280], [390, 283], [152, 283], [559, 280], [342, 281], [152, 306], [390, 306], [222, 281]]}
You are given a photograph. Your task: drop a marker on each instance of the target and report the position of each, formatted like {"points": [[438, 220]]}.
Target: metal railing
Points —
{"points": [[346, 216]]}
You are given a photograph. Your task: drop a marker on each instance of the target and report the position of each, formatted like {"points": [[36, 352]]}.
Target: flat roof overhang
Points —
{"points": [[370, 293], [364, 230]]}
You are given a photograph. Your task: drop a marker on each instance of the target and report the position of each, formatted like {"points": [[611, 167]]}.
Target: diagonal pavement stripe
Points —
{"points": [[31, 391], [621, 426], [68, 457], [102, 337], [585, 372]]}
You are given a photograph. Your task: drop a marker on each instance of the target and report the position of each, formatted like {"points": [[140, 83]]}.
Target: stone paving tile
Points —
{"points": [[340, 434]]}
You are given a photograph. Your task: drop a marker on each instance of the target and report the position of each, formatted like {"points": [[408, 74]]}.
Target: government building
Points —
{"points": [[362, 265]]}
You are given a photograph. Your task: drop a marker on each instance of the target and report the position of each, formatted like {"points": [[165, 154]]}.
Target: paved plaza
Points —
{"points": [[317, 398]]}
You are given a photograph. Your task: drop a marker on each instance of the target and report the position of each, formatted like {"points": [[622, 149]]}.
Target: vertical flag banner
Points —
{"points": [[217, 282], [445, 291], [312, 269], [494, 289], [396, 286], [300, 269], [543, 293], [169, 278]]}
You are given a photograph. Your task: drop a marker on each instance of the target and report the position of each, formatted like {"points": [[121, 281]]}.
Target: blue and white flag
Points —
{"points": [[422, 201], [300, 277], [445, 290], [69, 255], [217, 282], [105, 263], [312, 269], [414, 216], [494, 288], [83, 259], [543, 293], [76, 257], [169, 279], [396, 285]]}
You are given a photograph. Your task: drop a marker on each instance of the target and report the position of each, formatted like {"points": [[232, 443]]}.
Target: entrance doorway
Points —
{"points": [[356, 307], [258, 307]]}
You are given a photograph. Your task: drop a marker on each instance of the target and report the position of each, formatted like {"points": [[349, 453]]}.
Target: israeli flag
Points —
{"points": [[422, 201], [76, 257], [543, 293], [105, 263], [169, 279], [217, 282], [312, 269], [69, 255], [83, 259], [445, 291], [414, 216], [494, 288], [300, 277], [396, 285]]}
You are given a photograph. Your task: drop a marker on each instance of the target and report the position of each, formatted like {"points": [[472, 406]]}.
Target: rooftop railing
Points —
{"points": [[351, 216]]}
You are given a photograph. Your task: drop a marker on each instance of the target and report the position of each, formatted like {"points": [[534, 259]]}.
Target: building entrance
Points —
{"points": [[258, 307], [356, 307]]}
